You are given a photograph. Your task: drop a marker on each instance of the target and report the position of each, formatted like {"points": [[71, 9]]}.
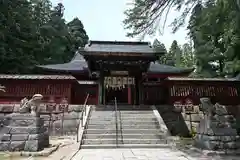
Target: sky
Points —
{"points": [[102, 20]]}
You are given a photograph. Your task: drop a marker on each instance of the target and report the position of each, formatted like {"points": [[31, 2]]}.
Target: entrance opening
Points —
{"points": [[120, 93]]}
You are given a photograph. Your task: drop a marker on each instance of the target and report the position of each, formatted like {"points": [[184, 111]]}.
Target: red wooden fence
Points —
{"points": [[18, 89], [221, 91]]}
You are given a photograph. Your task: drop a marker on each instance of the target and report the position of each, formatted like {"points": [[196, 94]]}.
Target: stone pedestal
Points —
{"points": [[23, 132], [217, 131]]}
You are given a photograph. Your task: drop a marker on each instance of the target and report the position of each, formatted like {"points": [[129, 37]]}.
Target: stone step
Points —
{"points": [[122, 108], [124, 115], [124, 136], [121, 112], [136, 112], [124, 119], [125, 126], [124, 141], [109, 146], [132, 123], [123, 131]]}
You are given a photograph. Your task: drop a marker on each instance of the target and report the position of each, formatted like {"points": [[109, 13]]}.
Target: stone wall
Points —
{"points": [[218, 129], [59, 121], [22, 132], [192, 118]]}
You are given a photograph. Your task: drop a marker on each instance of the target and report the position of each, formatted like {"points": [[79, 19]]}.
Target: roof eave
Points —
{"points": [[143, 53], [61, 70], [183, 71]]}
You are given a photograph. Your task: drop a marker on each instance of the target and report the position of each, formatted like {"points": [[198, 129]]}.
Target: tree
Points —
{"points": [[215, 41], [144, 16], [57, 47], [78, 33], [160, 48], [17, 36], [33, 33], [187, 58], [213, 27], [177, 56], [174, 55]]}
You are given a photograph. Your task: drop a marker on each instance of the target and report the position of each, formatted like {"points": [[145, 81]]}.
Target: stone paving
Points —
{"points": [[141, 154]]}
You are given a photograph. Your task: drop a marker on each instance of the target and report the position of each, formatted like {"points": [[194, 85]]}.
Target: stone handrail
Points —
{"points": [[83, 123]]}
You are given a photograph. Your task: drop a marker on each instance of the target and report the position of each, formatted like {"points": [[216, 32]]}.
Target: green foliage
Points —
{"points": [[32, 33], [159, 48], [187, 56], [214, 28], [145, 16], [193, 132], [176, 56]]}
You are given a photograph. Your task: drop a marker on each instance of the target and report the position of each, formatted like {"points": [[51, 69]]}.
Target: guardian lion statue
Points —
{"points": [[32, 105], [2, 88]]}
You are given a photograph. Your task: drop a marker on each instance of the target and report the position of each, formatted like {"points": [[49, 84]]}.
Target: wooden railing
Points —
{"points": [[116, 120], [84, 112], [82, 117]]}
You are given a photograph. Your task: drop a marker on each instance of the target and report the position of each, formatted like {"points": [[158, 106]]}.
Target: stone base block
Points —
{"points": [[23, 132], [4, 145], [16, 146], [208, 145], [33, 146], [217, 142]]}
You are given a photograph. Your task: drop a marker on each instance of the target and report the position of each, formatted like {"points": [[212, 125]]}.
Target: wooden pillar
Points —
{"points": [[129, 95], [137, 90], [100, 89], [103, 92], [140, 90]]}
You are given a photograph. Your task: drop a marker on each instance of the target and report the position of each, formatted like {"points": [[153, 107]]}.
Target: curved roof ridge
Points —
{"points": [[156, 67], [78, 57], [77, 64], [119, 42]]}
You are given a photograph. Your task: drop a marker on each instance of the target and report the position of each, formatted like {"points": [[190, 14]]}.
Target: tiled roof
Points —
{"points": [[119, 47], [77, 64], [237, 77], [200, 79], [19, 76], [155, 67]]}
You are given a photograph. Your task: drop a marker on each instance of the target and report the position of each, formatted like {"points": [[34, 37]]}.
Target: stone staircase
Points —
{"points": [[137, 127]]}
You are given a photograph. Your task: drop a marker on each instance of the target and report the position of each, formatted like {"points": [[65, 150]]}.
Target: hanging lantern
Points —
{"points": [[109, 81], [119, 81], [129, 80], [133, 81], [114, 80], [125, 80]]}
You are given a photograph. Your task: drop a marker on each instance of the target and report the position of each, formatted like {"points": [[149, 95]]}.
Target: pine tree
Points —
{"points": [[160, 48], [78, 33], [174, 55], [33, 33]]}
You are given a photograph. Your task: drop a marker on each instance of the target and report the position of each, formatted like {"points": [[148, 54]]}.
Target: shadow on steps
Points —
{"points": [[173, 120]]}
